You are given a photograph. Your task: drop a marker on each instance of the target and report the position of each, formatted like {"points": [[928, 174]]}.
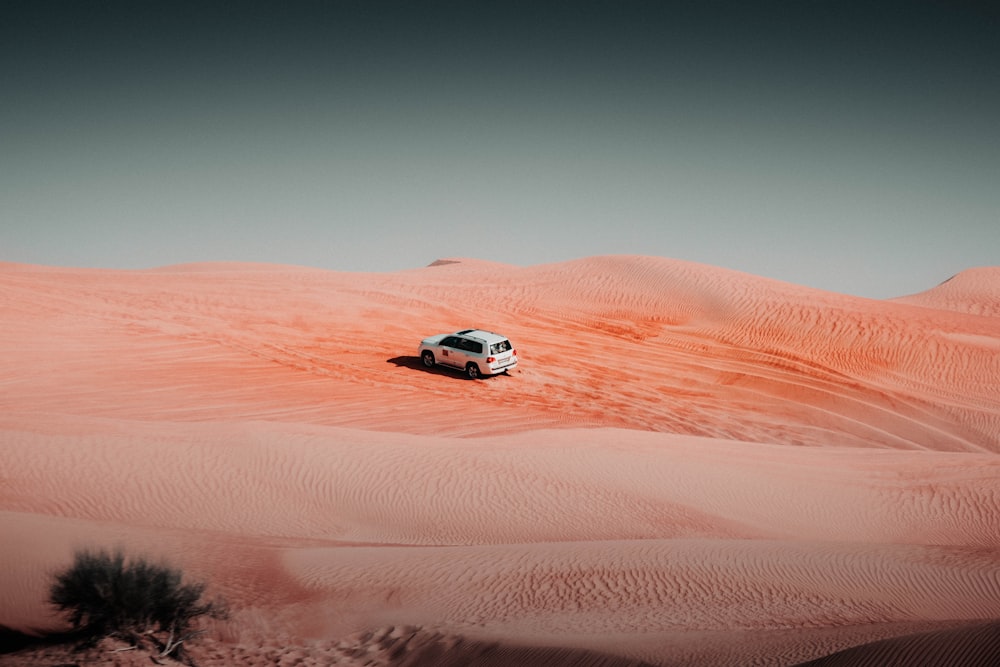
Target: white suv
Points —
{"points": [[475, 351]]}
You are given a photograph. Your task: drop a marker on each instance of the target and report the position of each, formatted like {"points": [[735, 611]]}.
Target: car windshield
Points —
{"points": [[502, 346]]}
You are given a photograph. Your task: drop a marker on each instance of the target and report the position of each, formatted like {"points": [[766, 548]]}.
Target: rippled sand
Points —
{"points": [[691, 466]]}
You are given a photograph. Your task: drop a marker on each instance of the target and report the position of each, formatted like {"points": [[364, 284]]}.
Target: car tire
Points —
{"points": [[472, 371], [427, 358]]}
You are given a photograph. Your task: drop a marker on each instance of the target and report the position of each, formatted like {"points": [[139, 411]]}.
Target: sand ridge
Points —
{"points": [[703, 351]]}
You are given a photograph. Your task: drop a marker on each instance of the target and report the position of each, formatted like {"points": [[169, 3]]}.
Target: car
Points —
{"points": [[475, 351]]}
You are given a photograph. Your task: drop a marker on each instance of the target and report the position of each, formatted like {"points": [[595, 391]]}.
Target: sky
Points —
{"points": [[848, 146]]}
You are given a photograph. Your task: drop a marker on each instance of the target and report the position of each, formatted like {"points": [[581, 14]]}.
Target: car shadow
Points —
{"points": [[415, 364]]}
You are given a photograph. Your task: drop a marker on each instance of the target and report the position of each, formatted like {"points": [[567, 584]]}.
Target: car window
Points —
{"points": [[451, 341], [502, 346], [468, 345]]}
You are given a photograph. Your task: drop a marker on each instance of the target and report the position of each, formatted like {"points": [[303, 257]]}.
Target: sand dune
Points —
{"points": [[691, 465], [973, 645], [974, 291]]}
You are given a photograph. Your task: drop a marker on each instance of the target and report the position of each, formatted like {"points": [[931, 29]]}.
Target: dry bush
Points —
{"points": [[106, 595]]}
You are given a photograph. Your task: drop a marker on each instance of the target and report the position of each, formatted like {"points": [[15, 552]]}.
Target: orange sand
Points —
{"points": [[691, 465]]}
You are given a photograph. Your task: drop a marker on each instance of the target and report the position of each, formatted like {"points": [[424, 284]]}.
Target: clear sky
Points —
{"points": [[850, 146]]}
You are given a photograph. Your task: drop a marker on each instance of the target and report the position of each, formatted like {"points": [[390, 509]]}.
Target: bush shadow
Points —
{"points": [[12, 641]]}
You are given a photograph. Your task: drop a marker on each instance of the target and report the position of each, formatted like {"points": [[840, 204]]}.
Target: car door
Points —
{"points": [[473, 352], [451, 355], [460, 356]]}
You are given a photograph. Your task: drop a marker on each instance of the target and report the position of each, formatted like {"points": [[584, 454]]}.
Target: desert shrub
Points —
{"points": [[106, 595]]}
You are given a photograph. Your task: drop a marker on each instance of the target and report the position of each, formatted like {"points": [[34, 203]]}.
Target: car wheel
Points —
{"points": [[472, 370], [428, 358]]}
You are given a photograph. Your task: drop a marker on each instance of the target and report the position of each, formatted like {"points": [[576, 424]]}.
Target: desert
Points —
{"points": [[690, 465]]}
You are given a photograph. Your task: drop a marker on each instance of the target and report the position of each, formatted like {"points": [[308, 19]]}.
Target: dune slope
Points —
{"points": [[690, 466]]}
